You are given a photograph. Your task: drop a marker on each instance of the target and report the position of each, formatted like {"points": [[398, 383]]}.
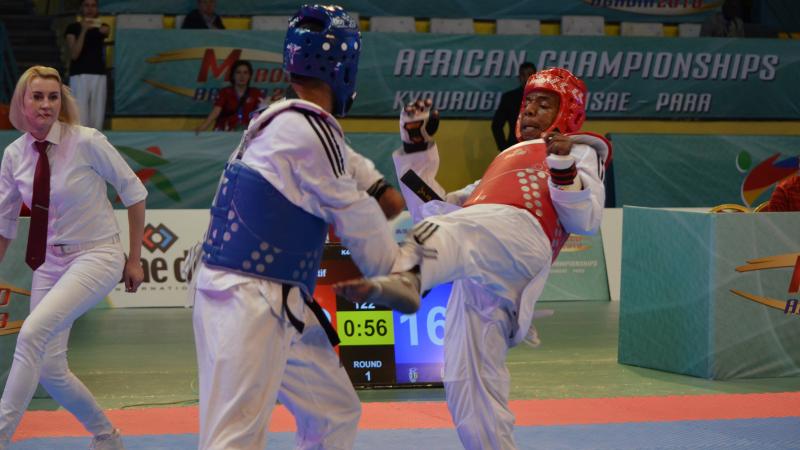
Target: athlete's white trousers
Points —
{"points": [[90, 93], [64, 288], [476, 379], [249, 356], [493, 253]]}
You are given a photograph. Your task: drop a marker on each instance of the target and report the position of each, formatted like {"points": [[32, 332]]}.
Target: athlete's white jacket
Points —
{"points": [[300, 149], [579, 212]]}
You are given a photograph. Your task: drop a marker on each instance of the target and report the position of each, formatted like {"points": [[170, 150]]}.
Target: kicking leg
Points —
{"points": [[498, 247]]}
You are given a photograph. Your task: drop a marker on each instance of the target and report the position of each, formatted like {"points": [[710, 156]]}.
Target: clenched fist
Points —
{"points": [[418, 123]]}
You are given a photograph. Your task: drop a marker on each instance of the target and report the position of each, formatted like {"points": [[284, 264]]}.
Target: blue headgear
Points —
{"points": [[330, 54]]}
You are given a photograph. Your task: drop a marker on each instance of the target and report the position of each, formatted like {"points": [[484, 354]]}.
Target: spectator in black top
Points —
{"points": [[508, 110], [87, 68], [203, 17]]}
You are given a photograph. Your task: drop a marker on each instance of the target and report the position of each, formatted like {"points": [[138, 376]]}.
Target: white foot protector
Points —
{"points": [[111, 441]]}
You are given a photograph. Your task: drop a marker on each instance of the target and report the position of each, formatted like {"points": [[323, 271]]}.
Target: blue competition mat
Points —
{"points": [[755, 434]]}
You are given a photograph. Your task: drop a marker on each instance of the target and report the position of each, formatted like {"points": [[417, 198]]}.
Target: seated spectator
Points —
{"points": [[508, 110], [786, 196], [726, 23], [236, 103], [204, 17]]}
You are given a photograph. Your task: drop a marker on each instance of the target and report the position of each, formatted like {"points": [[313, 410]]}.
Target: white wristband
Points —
{"points": [[563, 162], [559, 162]]}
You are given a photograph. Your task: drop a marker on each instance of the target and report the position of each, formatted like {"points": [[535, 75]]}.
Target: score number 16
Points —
{"points": [[434, 326]]}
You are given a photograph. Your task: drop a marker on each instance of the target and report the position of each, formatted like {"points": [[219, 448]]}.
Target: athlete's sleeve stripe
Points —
{"points": [[326, 130], [325, 145], [424, 231], [601, 168]]}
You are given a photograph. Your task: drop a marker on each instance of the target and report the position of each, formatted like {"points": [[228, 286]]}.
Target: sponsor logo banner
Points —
{"points": [[662, 170], [169, 72], [579, 272], [168, 237]]}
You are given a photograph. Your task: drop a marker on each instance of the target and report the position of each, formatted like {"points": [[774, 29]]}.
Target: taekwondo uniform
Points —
{"points": [[287, 181], [260, 336], [498, 250]]}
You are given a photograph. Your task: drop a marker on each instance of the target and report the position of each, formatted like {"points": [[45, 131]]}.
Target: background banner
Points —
{"points": [[660, 170], [179, 72], [181, 170], [641, 10], [579, 272]]}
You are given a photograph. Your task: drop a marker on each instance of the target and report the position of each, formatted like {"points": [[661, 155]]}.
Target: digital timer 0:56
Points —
{"points": [[365, 327]]}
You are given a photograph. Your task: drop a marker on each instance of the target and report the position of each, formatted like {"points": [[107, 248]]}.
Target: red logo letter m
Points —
{"points": [[210, 64]]}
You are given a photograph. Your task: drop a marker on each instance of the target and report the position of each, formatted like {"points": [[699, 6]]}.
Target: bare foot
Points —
{"points": [[357, 290], [398, 291]]}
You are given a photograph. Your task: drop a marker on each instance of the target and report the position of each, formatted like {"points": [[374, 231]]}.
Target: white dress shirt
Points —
{"points": [[81, 162]]}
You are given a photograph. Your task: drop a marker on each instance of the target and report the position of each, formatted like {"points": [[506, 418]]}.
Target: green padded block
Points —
{"points": [[678, 311]]}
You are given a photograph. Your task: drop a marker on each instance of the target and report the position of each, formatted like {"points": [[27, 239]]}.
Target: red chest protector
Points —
{"points": [[519, 177]]}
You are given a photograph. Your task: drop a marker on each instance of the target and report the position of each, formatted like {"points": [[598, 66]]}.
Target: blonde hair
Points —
{"points": [[69, 108]]}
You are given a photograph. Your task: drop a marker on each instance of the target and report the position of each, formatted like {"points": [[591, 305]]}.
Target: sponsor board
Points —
{"points": [[465, 75], [169, 235]]}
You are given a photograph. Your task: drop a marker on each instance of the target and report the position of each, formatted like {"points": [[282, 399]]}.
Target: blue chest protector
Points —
{"points": [[256, 231]]}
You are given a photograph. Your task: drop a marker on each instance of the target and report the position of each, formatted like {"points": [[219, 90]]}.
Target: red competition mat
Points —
{"points": [[434, 415]]}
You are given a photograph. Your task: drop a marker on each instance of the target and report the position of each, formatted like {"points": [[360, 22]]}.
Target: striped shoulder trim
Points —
{"points": [[327, 137]]}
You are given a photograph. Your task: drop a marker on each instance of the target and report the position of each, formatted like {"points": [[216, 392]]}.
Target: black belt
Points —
{"points": [[333, 337]]}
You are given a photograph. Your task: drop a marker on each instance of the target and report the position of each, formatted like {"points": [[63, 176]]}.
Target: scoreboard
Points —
{"points": [[381, 347]]}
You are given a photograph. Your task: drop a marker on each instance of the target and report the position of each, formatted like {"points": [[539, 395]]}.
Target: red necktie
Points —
{"points": [[40, 202]]}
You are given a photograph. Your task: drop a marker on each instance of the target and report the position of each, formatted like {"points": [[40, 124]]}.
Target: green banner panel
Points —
{"points": [[179, 72], [660, 170], [639, 10], [711, 295], [181, 169], [579, 272]]}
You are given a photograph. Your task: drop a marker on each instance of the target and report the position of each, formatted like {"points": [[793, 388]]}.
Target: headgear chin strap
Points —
{"points": [[572, 95], [329, 54]]}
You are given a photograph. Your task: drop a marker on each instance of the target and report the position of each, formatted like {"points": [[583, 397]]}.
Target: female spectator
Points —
{"points": [[73, 243], [235, 103]]}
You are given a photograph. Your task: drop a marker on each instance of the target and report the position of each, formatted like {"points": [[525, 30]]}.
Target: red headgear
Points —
{"points": [[571, 91]]}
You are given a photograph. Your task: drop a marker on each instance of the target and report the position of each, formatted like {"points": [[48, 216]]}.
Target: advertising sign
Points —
{"points": [[180, 72]]}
